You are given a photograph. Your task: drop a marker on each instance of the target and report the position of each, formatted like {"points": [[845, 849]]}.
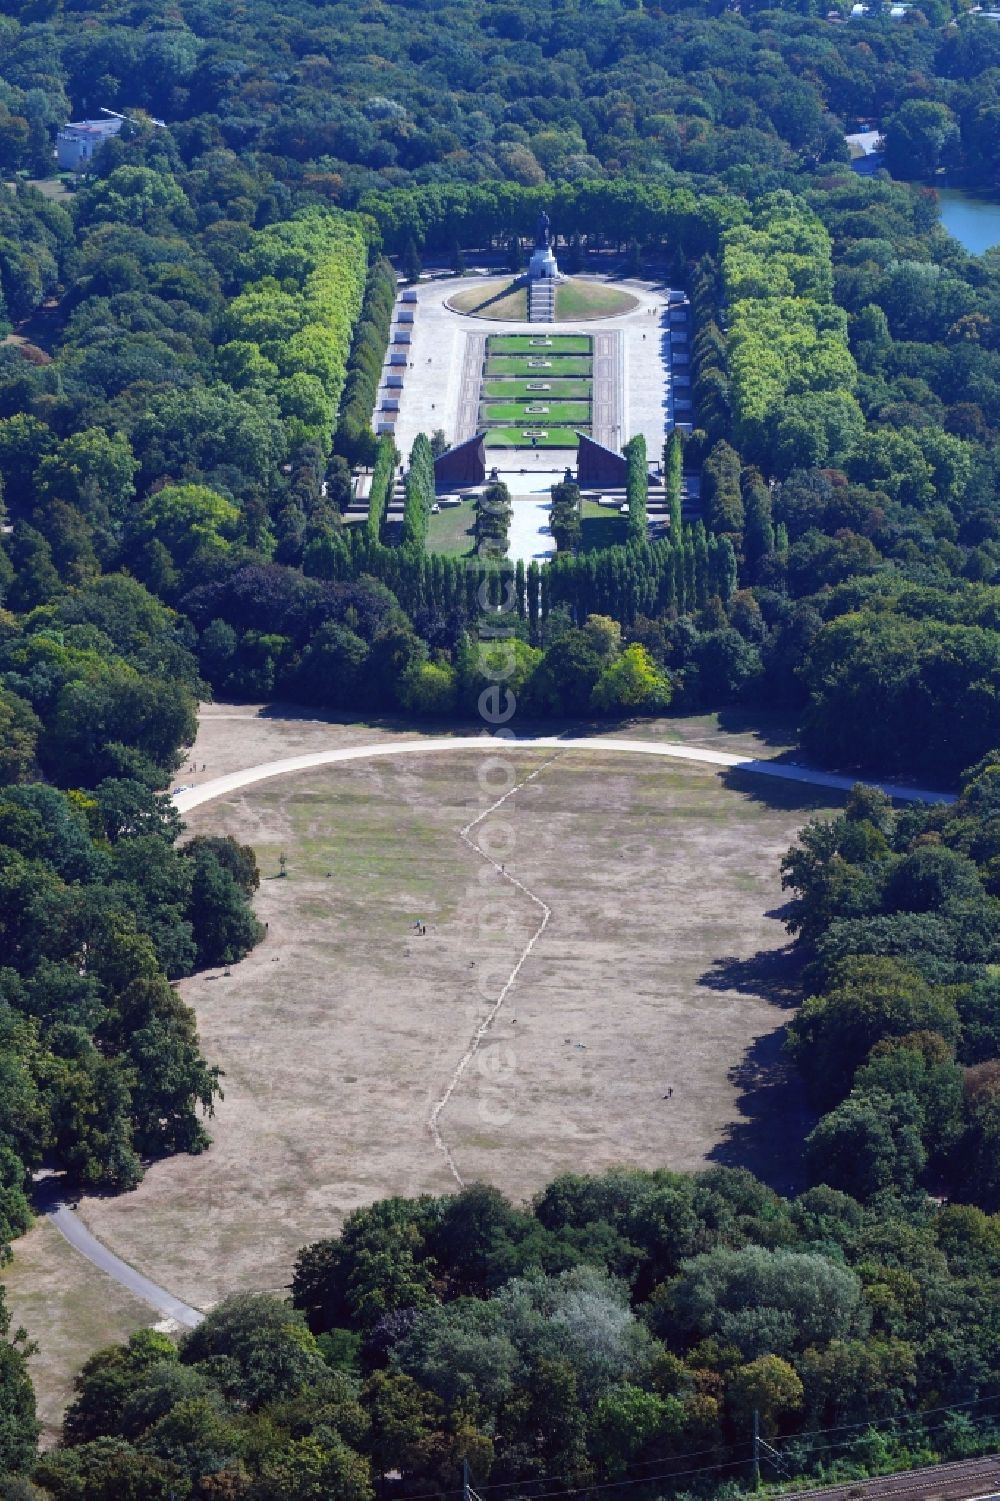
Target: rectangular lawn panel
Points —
{"points": [[559, 366], [516, 437], [601, 527], [539, 344], [557, 411], [452, 530], [527, 390]]}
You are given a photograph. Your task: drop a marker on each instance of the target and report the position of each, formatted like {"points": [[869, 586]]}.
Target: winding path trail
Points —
{"points": [[62, 1215], [485, 1025]]}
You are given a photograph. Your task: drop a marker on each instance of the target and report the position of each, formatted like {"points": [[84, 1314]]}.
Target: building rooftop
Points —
{"points": [[94, 127]]}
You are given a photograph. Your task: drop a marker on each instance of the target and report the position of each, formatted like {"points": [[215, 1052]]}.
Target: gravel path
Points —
{"points": [[788, 771]]}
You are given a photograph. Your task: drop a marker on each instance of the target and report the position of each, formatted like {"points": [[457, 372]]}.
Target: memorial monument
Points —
{"points": [[543, 273], [542, 265]]}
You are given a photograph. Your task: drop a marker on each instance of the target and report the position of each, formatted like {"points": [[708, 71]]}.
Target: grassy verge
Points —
{"points": [[558, 366], [514, 437], [493, 299], [575, 300], [527, 390], [587, 299], [69, 1309], [602, 527]]}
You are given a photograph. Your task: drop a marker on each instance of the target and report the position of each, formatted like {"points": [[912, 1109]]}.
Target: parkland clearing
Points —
{"points": [[664, 967]]}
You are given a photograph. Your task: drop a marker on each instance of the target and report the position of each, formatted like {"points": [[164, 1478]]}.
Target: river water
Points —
{"points": [[975, 222]]}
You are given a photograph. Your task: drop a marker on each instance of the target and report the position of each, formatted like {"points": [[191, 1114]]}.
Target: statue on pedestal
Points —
{"points": [[542, 266]]}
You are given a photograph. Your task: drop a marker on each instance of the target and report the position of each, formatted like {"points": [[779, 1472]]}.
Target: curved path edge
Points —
{"points": [[80, 1238], [787, 771], [69, 1224]]}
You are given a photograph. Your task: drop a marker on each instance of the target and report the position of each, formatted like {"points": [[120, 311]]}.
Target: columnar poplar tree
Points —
{"points": [[493, 513], [381, 486], [636, 487], [758, 533], [721, 499], [419, 491], [673, 479]]}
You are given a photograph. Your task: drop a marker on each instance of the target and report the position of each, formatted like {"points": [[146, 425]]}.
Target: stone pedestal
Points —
{"points": [[543, 273], [542, 266]]}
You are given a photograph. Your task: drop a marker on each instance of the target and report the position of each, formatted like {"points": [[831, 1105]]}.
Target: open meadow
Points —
{"points": [[339, 1033]]}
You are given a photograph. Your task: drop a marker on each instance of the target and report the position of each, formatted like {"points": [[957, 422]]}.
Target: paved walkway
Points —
{"points": [[75, 1231], [529, 538], [608, 390], [467, 418], [787, 771]]}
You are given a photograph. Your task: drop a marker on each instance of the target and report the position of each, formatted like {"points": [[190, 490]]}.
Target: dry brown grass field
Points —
{"points": [[339, 1032], [662, 968], [70, 1309]]}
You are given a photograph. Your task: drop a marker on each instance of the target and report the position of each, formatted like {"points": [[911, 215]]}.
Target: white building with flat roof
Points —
{"points": [[77, 142]]}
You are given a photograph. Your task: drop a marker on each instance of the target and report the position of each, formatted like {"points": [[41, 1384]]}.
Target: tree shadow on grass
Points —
{"points": [[776, 792], [775, 1117], [774, 1114], [772, 974], [771, 726], [516, 284]]}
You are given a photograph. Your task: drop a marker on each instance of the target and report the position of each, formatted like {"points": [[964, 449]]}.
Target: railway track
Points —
{"points": [[961, 1480]]}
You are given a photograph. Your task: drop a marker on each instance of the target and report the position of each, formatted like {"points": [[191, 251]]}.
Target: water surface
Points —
{"points": [[975, 222]]}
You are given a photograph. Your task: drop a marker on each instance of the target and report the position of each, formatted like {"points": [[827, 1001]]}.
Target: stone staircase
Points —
{"points": [[542, 301], [657, 510]]}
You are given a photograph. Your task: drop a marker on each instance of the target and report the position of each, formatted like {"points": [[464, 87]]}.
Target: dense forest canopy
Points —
{"points": [[197, 330], [346, 98]]}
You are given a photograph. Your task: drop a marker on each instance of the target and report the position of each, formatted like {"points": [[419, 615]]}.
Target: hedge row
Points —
{"points": [[640, 578], [288, 333], [637, 487], [355, 440], [419, 492], [673, 478]]}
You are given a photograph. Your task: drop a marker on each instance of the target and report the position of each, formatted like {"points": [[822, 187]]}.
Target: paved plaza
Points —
{"points": [[633, 390], [529, 539]]}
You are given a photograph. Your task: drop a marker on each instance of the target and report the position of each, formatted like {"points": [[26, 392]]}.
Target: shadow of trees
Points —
{"points": [[774, 1113]]}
